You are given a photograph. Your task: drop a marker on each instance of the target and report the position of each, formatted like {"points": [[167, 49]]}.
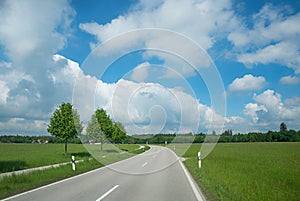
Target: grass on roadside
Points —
{"points": [[248, 171], [23, 156]]}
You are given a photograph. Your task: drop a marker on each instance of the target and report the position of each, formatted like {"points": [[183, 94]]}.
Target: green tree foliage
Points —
{"points": [[101, 127], [65, 123], [105, 122], [283, 128], [119, 133], [94, 132]]}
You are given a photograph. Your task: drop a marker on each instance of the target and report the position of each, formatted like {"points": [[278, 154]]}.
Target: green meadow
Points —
{"points": [[248, 171]]}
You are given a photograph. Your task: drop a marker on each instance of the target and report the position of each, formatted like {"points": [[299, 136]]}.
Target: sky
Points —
{"points": [[160, 66]]}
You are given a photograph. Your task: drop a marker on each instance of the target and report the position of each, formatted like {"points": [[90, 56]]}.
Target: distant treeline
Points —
{"points": [[227, 136]]}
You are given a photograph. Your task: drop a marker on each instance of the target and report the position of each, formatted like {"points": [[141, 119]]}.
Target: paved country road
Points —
{"points": [[156, 175]]}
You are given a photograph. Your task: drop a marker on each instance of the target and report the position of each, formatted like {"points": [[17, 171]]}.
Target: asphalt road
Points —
{"points": [[156, 175]]}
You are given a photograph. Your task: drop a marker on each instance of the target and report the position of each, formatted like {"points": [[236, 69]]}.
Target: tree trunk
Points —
{"points": [[66, 147]]}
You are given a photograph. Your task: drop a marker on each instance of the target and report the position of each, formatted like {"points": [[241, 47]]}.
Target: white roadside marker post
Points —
{"points": [[199, 159], [73, 163]]}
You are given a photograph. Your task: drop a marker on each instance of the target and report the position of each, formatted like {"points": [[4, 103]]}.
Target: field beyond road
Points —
{"points": [[248, 171]]}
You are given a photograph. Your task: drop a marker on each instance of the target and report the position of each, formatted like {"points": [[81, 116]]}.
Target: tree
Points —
{"points": [[94, 132], [283, 128], [119, 133], [65, 123], [105, 123]]}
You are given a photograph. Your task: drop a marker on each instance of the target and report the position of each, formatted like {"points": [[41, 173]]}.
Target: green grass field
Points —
{"points": [[248, 171], [24, 156]]}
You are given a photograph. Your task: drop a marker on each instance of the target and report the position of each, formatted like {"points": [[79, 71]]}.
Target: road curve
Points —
{"points": [[155, 175]]}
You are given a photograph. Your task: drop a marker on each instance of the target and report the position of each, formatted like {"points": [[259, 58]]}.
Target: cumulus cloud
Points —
{"points": [[272, 39], [140, 73], [160, 14], [145, 107], [284, 53], [247, 83], [152, 107], [252, 109], [21, 22], [290, 80], [213, 18], [269, 110], [31, 32], [3, 92]]}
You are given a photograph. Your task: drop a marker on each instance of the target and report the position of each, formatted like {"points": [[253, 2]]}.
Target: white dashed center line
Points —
{"points": [[107, 193], [144, 164]]}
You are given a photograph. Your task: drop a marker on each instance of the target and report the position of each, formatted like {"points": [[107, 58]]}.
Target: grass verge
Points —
{"points": [[248, 171], [23, 156]]}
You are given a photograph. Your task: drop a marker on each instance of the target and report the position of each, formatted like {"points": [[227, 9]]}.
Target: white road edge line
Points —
{"points": [[144, 164], [198, 195], [107, 193], [195, 189]]}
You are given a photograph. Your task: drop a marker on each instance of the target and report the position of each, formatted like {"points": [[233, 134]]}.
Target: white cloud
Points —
{"points": [[212, 18], [152, 108], [140, 73], [252, 109], [290, 80], [31, 32], [3, 92], [21, 22], [247, 83], [269, 110], [270, 99], [145, 107], [284, 53], [4, 64], [273, 38], [69, 71]]}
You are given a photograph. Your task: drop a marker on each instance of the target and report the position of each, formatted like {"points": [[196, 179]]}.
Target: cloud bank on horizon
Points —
{"points": [[256, 52]]}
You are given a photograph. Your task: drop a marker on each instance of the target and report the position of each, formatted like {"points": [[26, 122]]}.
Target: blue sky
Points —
{"points": [[157, 66]]}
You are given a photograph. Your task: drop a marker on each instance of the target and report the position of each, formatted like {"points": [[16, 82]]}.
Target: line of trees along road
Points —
{"points": [[101, 129], [65, 124]]}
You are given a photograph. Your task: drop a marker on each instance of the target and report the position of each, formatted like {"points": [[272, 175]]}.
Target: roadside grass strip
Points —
{"points": [[248, 171], [26, 171]]}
